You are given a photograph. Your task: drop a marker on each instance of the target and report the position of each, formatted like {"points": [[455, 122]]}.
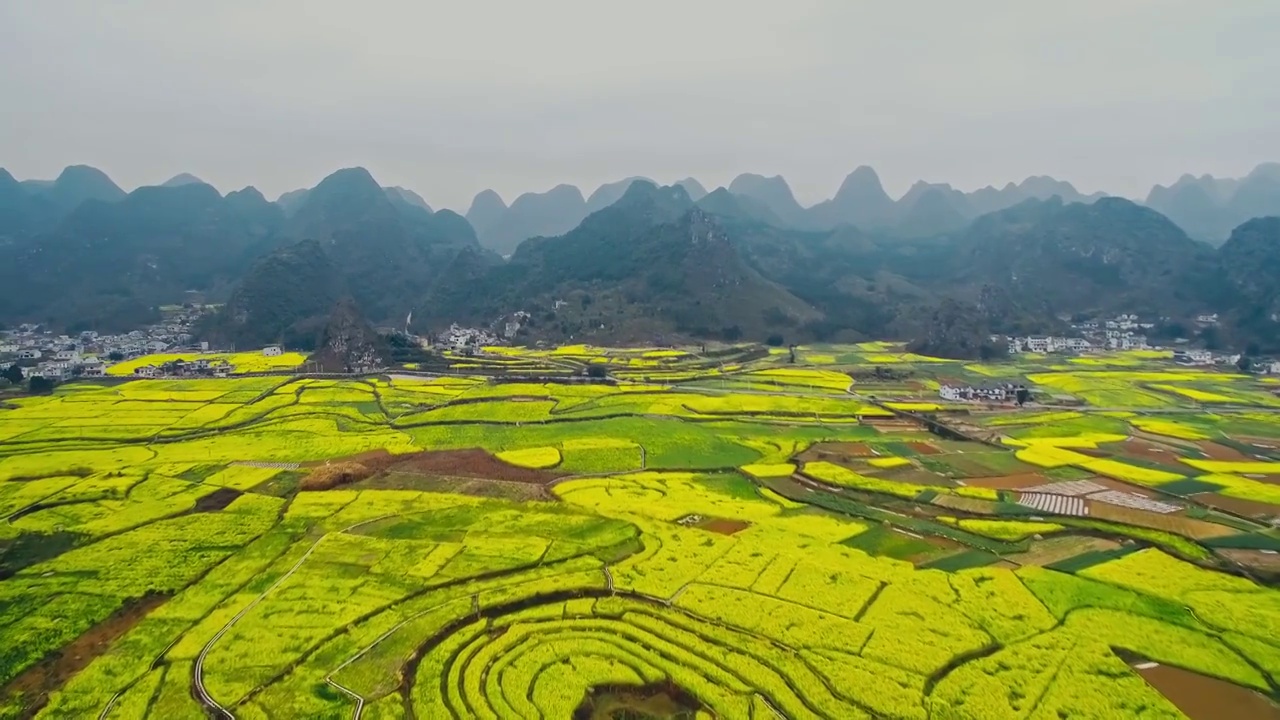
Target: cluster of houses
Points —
{"points": [[1048, 344], [1123, 332], [1261, 366], [466, 340], [200, 367], [41, 353], [1001, 392]]}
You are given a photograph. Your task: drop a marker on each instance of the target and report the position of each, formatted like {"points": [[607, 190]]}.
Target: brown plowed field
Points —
{"points": [[1175, 523], [1267, 446], [1222, 452], [1148, 450], [724, 527], [1247, 508], [1256, 559], [923, 448], [1205, 698], [472, 463]]}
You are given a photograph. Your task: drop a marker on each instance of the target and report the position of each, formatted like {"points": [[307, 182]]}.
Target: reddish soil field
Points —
{"points": [[472, 463], [1205, 698], [831, 451], [1148, 450], [850, 449], [51, 673], [923, 448], [469, 463], [1247, 508], [1253, 559], [724, 527], [1176, 523], [1266, 446], [1222, 452], [1008, 482]]}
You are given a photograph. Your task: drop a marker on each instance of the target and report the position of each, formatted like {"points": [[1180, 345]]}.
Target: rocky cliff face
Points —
{"points": [[349, 343]]}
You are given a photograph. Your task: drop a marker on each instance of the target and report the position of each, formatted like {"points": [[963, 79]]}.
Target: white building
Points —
{"points": [[272, 350], [29, 354], [52, 370], [96, 368], [1038, 344]]}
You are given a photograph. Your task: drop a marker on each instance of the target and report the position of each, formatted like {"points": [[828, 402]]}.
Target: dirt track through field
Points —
{"points": [[37, 681], [197, 669]]}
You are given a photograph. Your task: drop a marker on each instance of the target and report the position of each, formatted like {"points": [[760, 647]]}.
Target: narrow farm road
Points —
{"points": [[197, 673]]}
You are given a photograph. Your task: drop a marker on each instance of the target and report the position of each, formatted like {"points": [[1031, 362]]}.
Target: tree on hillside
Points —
{"points": [[13, 374], [40, 385]]}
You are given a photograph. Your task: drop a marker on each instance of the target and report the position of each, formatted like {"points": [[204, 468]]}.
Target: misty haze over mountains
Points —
{"points": [[1207, 208], [635, 261]]}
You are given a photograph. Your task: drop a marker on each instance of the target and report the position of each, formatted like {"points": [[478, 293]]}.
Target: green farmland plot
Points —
{"points": [[736, 538]]}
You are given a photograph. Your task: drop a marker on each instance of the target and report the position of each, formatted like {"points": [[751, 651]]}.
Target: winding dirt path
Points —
{"points": [[197, 671]]}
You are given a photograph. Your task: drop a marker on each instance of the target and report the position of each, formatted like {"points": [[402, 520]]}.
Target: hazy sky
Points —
{"points": [[448, 98]]}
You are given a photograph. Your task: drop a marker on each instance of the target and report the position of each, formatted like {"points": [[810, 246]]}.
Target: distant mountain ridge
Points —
{"points": [[1205, 207], [1208, 207], [553, 212], [860, 201], [651, 264], [182, 179], [936, 264]]}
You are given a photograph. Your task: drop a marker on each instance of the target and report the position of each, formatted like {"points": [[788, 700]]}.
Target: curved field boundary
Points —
{"points": [[197, 670], [720, 650]]}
